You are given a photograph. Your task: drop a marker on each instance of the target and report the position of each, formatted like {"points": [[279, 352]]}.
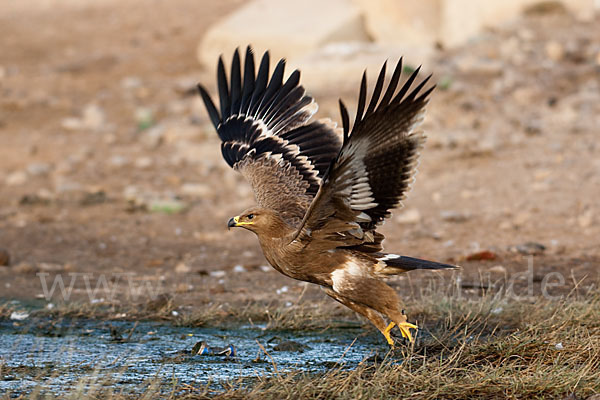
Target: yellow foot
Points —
{"points": [[405, 330], [386, 333]]}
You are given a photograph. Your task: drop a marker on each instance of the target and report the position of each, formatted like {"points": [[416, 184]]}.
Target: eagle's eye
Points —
{"points": [[250, 216]]}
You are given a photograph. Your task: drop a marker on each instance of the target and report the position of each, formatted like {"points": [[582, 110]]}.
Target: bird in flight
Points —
{"points": [[322, 191]]}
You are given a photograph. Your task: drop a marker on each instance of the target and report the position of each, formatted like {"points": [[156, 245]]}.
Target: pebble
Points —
{"points": [[283, 289], [18, 315], [93, 117], [217, 274], [586, 219], [37, 169], [196, 189], [528, 248], [454, 216], [554, 50], [239, 269], [16, 178], [4, 257], [498, 269], [131, 82], [182, 268], [24, 268], [408, 217], [143, 162]]}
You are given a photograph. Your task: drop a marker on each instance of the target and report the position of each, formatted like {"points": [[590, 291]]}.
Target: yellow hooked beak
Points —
{"points": [[235, 221]]}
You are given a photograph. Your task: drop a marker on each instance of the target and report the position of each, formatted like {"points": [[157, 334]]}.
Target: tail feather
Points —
{"points": [[410, 263]]}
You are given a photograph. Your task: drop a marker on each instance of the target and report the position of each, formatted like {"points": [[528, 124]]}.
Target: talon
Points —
{"points": [[405, 330], [386, 333]]}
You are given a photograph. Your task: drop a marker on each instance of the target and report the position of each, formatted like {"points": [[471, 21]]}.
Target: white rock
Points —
{"points": [[217, 274], [454, 216], [182, 268], [409, 216], [285, 27], [283, 289], [131, 82], [239, 268], [93, 117], [18, 315], [143, 162], [16, 178], [36, 169], [554, 50]]}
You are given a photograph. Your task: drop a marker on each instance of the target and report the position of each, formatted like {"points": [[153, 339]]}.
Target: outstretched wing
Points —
{"points": [[374, 169], [266, 134]]}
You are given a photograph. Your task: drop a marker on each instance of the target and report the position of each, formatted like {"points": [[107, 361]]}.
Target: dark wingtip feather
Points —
{"points": [[392, 85], [362, 98], [249, 80], [223, 89], [236, 83], [210, 106], [377, 90], [345, 121], [407, 85]]}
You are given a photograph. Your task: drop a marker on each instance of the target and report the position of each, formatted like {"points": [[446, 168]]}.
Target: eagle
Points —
{"points": [[322, 191]]}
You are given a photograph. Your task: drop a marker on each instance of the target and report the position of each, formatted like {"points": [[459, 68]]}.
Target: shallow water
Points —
{"points": [[56, 357]]}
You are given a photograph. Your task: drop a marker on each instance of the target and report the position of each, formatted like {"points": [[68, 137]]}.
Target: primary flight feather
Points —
{"points": [[323, 191]]}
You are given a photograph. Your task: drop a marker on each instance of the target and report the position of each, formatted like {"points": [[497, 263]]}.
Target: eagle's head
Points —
{"points": [[262, 221]]}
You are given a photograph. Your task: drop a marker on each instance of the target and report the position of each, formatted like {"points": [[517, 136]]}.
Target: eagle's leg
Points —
{"points": [[375, 295], [365, 311]]}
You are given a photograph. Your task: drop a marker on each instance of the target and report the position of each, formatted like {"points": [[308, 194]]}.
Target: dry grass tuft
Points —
{"points": [[467, 349]]}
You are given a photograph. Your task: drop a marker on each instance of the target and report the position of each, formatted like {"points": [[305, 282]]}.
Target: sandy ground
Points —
{"points": [[109, 166]]}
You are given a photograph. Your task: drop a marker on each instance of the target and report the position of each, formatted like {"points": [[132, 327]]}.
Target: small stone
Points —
{"points": [[586, 219], [529, 248], [16, 178], [4, 257], [408, 217], [217, 274], [554, 50], [283, 289], [239, 269], [37, 169], [19, 315], [24, 268], [143, 162], [118, 161], [265, 268], [196, 189], [454, 216], [497, 269], [182, 268], [50, 267], [93, 117], [559, 346], [153, 137], [131, 82], [71, 123]]}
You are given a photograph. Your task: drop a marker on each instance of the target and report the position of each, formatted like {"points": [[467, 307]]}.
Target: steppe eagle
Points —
{"points": [[321, 191]]}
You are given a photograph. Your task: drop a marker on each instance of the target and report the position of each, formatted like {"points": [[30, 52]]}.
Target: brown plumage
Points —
{"points": [[321, 191]]}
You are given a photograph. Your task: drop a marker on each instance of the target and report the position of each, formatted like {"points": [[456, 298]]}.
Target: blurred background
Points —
{"points": [[108, 162]]}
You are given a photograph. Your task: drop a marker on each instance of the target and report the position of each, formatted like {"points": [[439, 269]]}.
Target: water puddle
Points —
{"points": [[56, 357]]}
